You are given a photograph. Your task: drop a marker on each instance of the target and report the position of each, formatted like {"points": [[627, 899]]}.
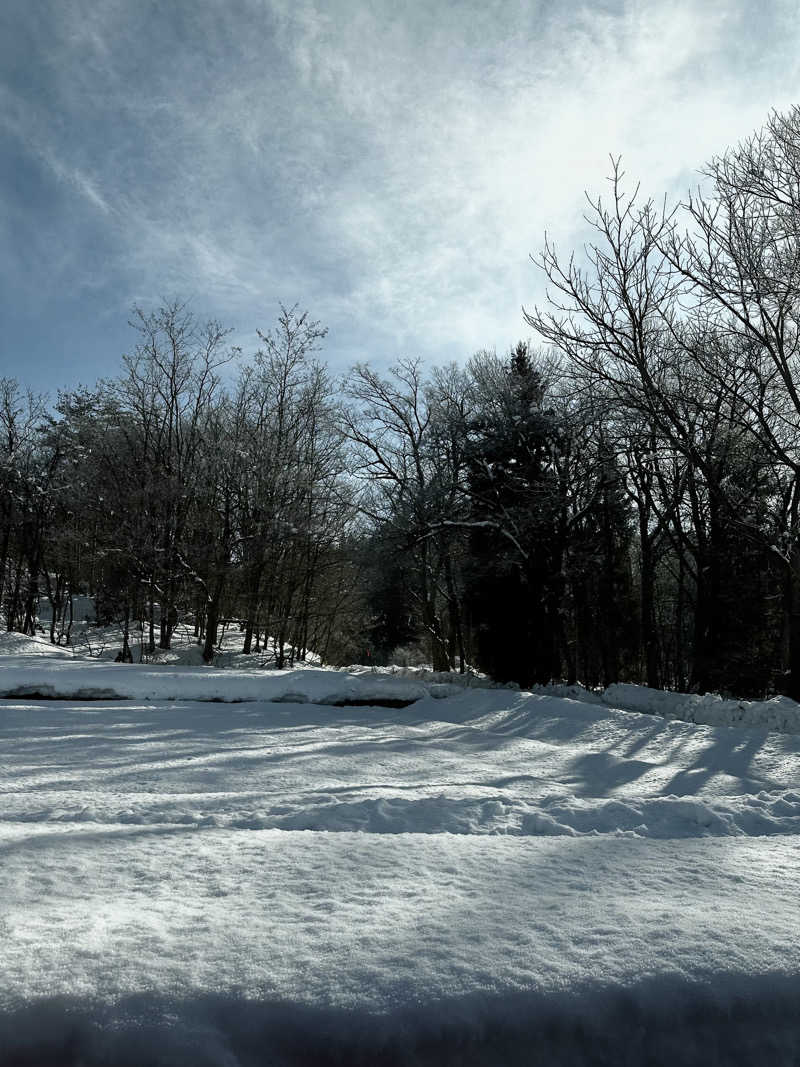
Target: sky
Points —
{"points": [[390, 166]]}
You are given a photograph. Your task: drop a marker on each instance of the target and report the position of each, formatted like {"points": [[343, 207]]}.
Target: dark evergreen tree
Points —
{"points": [[391, 615], [514, 495]]}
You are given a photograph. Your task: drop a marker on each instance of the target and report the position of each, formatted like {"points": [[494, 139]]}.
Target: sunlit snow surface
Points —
{"points": [[484, 878]]}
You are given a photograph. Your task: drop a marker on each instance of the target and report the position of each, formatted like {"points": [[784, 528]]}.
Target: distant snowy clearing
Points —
{"points": [[483, 877]]}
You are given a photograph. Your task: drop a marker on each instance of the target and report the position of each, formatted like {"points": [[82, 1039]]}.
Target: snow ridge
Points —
{"points": [[664, 818]]}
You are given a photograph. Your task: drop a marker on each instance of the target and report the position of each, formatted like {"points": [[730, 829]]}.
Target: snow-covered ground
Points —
{"points": [[78, 679], [87, 641], [481, 877]]}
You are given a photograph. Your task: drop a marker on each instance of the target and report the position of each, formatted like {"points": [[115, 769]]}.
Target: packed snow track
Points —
{"points": [[481, 877]]}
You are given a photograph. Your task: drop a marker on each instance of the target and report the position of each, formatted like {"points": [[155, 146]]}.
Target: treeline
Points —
{"points": [[617, 498], [168, 496]]}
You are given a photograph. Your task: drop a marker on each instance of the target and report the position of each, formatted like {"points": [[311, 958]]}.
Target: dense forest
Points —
{"points": [[617, 498]]}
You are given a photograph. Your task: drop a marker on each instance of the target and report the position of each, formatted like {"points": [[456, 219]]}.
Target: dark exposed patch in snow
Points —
{"points": [[49, 692], [374, 702]]}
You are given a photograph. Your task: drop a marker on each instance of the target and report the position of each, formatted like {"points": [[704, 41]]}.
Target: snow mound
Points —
{"points": [[15, 644], [29, 677], [656, 818], [467, 680], [779, 714]]}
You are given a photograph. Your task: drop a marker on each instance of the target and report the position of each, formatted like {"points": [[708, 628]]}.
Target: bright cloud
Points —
{"points": [[389, 166]]}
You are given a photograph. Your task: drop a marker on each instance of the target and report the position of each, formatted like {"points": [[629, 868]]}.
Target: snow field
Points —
{"points": [[484, 876], [413, 949], [239, 867]]}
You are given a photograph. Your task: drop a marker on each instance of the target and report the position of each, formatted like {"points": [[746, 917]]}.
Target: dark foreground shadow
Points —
{"points": [[731, 1020]]}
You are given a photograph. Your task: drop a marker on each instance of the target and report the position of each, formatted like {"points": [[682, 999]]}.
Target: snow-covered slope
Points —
{"points": [[490, 878]]}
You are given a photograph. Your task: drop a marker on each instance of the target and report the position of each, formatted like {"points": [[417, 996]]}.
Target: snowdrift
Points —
{"points": [[780, 713], [57, 678]]}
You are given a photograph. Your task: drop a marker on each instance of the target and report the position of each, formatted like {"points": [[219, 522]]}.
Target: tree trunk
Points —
{"points": [[4, 554], [698, 678], [151, 636], [29, 625], [125, 655], [13, 608], [793, 688], [253, 598], [430, 622], [456, 641], [165, 630], [212, 624], [678, 673], [649, 640]]}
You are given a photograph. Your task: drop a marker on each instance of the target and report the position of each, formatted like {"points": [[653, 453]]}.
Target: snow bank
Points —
{"points": [[467, 680], [779, 714], [61, 679]]}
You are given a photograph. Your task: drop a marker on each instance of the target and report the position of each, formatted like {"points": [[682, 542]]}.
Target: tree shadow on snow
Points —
{"points": [[665, 1021], [601, 774], [730, 752]]}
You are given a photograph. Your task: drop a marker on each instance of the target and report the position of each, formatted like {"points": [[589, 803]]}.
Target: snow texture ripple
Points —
{"points": [[481, 877]]}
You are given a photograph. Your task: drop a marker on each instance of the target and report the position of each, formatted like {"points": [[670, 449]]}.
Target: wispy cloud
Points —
{"points": [[391, 166]]}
